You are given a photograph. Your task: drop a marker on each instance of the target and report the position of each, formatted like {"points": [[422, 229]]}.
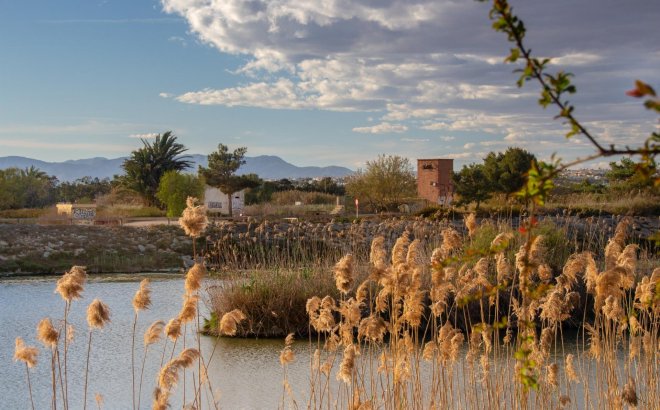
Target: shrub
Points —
{"points": [[273, 301], [306, 198]]}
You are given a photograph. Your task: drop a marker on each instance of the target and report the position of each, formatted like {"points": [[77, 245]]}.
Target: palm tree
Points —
{"points": [[145, 167]]}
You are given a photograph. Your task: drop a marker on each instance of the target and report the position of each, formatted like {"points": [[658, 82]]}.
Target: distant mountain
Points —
{"points": [[266, 166]]}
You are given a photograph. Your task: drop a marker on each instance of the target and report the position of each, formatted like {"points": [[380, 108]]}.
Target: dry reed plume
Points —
{"points": [[194, 219], [513, 315]]}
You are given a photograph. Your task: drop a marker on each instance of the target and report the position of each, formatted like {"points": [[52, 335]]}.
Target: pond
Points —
{"points": [[246, 372]]}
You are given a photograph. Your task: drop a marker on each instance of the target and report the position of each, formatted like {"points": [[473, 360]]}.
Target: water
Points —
{"points": [[246, 373]]}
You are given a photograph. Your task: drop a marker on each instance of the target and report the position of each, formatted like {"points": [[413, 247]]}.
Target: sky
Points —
{"points": [[316, 82]]}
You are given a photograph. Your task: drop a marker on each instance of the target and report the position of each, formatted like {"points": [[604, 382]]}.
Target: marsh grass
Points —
{"points": [[432, 318], [272, 301], [489, 333]]}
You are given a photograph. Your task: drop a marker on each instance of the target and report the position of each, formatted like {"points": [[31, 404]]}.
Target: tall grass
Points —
{"points": [[182, 361], [490, 331], [479, 317]]}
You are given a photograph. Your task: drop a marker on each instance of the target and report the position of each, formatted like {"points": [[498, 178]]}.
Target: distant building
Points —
{"points": [[434, 180], [80, 214], [217, 201]]}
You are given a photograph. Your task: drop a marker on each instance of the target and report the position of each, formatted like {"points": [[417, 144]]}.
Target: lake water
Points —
{"points": [[247, 373]]}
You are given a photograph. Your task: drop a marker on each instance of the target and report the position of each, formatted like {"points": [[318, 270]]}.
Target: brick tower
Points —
{"points": [[434, 180]]}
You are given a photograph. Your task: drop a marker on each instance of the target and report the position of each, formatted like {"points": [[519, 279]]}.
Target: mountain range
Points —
{"points": [[266, 166]]}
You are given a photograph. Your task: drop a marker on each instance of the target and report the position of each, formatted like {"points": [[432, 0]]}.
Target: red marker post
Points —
{"points": [[357, 207]]}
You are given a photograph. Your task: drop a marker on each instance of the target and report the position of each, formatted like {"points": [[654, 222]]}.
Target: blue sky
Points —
{"points": [[317, 82]]}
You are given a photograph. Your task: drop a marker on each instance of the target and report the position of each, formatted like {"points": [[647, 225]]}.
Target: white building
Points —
{"points": [[217, 201]]}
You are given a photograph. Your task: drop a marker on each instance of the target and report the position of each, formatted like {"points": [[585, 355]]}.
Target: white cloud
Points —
{"points": [[178, 40], [447, 138], [574, 59], [426, 64], [283, 94], [415, 140], [469, 145], [382, 128], [144, 136], [165, 95]]}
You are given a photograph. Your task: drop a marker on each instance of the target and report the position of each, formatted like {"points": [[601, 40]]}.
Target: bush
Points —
{"points": [[306, 198], [273, 301], [24, 213]]}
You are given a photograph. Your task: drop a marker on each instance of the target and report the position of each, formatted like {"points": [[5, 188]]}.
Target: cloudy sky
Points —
{"points": [[317, 82]]}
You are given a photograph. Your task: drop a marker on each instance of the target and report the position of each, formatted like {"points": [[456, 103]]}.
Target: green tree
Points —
{"points": [[384, 183], [221, 172], [625, 175], [84, 189], [175, 187], [507, 172], [147, 165], [622, 171], [26, 188], [471, 185]]}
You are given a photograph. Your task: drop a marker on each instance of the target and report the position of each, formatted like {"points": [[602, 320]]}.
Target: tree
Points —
{"points": [[326, 185], [175, 187], [621, 171], [625, 175], [147, 165], [506, 172], [384, 183], [554, 91], [26, 188], [471, 185], [222, 166], [84, 189]]}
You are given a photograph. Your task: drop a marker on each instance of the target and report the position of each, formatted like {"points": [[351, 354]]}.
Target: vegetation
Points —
{"points": [[624, 176], [273, 301], [83, 190], [175, 187], [506, 172], [394, 343], [471, 185], [384, 183], [222, 166], [266, 189], [500, 173], [147, 165], [25, 188]]}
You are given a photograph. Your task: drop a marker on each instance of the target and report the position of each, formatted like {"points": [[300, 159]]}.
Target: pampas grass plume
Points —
{"points": [[98, 314], [230, 321], [142, 298], [193, 219], [343, 272], [71, 285], [173, 328], [471, 224], [154, 332], [194, 277], [46, 333], [26, 354], [189, 308]]}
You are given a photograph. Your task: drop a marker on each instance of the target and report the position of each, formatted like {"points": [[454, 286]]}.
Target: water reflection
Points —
{"points": [[245, 373]]}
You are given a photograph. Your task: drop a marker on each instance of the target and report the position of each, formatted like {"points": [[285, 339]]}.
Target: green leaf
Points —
{"points": [[513, 57]]}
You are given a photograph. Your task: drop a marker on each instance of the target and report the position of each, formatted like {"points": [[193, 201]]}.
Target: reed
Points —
{"points": [[413, 314], [396, 343]]}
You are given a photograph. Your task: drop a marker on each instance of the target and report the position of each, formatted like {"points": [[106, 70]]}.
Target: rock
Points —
{"points": [[46, 255], [3, 244], [141, 248], [78, 251]]}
